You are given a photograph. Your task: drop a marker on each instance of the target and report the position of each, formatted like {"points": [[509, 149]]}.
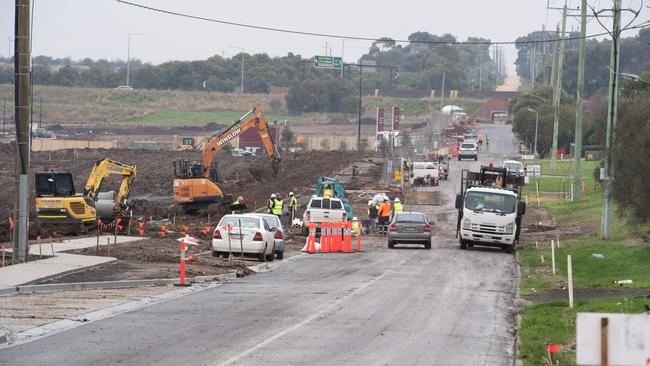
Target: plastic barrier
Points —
{"points": [[311, 239]]}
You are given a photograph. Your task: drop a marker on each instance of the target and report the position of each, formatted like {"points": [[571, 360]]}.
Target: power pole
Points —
{"points": [[442, 93], [22, 85], [611, 121], [360, 106], [577, 150], [558, 92]]}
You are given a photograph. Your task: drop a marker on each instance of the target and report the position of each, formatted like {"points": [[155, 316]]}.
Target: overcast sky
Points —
{"points": [[99, 28]]}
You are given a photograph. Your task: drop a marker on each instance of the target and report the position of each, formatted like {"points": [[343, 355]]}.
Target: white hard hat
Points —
{"points": [[272, 195], [370, 203], [396, 199], [355, 219], [290, 193]]}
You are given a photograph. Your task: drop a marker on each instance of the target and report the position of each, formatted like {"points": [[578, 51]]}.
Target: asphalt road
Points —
{"points": [[405, 306]]}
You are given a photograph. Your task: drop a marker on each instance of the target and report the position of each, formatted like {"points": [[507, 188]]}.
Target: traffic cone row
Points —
{"points": [[336, 237]]}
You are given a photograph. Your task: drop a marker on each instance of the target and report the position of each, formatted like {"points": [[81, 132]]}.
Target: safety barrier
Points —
{"points": [[335, 237]]}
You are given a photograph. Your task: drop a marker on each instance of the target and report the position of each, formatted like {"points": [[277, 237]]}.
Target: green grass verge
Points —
{"points": [[201, 117], [562, 178], [555, 322]]}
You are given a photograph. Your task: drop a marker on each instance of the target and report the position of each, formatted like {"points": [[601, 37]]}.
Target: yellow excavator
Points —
{"points": [[196, 185], [58, 204]]}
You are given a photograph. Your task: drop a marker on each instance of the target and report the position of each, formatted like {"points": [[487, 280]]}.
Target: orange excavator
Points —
{"points": [[196, 185]]}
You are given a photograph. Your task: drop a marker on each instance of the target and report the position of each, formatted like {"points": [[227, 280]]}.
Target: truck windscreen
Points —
{"points": [[491, 202]]}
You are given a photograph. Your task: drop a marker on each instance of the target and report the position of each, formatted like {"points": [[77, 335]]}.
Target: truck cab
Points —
{"points": [[489, 209]]}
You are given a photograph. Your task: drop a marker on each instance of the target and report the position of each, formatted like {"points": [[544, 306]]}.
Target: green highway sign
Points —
{"points": [[328, 62]]}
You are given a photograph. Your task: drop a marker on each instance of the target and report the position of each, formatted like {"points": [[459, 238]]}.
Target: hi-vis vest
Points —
{"points": [[277, 207], [355, 227], [397, 207]]}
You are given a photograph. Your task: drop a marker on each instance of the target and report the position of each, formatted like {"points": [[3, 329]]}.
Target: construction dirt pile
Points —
{"points": [[152, 192]]}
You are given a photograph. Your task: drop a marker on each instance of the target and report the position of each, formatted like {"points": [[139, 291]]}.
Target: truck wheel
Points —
{"points": [[391, 244], [463, 244], [511, 249], [427, 245], [216, 254], [225, 255]]}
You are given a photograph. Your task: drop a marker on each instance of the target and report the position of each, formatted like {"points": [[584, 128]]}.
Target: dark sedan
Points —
{"points": [[409, 228]]}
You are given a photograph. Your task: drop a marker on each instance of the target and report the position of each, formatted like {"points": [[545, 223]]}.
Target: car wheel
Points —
{"points": [[280, 254], [475, 158], [391, 244], [270, 257], [427, 245], [459, 158], [215, 254], [463, 244]]}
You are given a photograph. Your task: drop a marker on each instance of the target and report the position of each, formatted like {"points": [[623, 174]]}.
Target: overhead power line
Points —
{"points": [[356, 38]]}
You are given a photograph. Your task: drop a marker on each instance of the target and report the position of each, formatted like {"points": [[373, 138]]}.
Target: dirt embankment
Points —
{"points": [[152, 192]]}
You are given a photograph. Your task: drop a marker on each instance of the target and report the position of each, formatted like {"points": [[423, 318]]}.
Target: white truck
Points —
{"points": [[424, 174], [490, 209], [322, 209]]}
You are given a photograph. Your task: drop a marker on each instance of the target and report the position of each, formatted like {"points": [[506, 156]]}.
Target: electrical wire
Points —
{"points": [[356, 38]]}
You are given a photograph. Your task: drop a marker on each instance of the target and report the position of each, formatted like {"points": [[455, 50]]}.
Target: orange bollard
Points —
{"points": [[163, 230], [347, 239], [337, 236], [140, 227], [359, 240], [311, 239], [182, 266], [324, 237]]}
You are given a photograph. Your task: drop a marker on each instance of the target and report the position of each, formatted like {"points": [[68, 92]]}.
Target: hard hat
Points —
{"points": [[240, 198], [370, 203], [355, 219], [396, 199], [290, 193], [272, 195], [386, 199]]}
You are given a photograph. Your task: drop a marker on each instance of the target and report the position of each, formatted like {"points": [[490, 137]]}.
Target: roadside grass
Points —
{"points": [[201, 117], [555, 322], [561, 180]]}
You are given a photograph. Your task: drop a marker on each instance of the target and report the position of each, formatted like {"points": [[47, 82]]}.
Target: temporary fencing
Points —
{"points": [[335, 237]]}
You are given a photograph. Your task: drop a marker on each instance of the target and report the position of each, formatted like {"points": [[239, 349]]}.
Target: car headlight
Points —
{"points": [[466, 224], [510, 228]]}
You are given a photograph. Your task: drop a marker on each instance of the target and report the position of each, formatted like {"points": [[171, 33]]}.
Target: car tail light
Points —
{"points": [[216, 235], [427, 228], [307, 216], [393, 227], [278, 235], [345, 215], [258, 236]]}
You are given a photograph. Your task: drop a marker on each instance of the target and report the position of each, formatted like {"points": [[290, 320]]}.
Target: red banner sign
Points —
{"points": [[396, 117], [380, 119]]}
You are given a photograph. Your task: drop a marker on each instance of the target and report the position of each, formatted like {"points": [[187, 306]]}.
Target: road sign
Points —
{"points": [[396, 118], [627, 339], [328, 62], [380, 119]]}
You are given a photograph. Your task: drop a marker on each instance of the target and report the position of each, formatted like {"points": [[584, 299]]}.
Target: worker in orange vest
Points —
{"points": [[384, 215]]}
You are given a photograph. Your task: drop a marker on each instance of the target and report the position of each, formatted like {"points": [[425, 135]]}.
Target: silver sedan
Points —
{"points": [[409, 228]]}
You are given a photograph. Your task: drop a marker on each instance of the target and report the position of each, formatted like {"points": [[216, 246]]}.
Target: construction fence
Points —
{"points": [[55, 144]]}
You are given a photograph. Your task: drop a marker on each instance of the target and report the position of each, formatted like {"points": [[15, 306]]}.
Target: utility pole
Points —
{"points": [[480, 73], [577, 150], [610, 138], [558, 92], [22, 58], [241, 87], [360, 106], [128, 57], [442, 93], [4, 116]]}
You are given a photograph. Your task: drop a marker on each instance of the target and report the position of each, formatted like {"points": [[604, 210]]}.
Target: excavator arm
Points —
{"points": [[102, 169], [254, 118]]}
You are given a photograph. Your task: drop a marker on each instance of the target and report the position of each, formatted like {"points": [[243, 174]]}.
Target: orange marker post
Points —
{"points": [[347, 240], [182, 266], [359, 240], [337, 237], [311, 239], [324, 238]]}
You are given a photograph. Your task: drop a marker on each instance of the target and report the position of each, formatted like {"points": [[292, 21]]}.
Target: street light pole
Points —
{"points": [[241, 87], [577, 151], [128, 57], [558, 92], [360, 106], [536, 126]]}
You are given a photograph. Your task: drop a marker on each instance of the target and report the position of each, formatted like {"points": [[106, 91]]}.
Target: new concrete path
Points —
{"points": [[60, 263]]}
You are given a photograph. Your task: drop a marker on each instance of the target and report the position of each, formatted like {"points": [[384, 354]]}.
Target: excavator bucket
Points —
{"points": [[261, 171], [105, 205]]}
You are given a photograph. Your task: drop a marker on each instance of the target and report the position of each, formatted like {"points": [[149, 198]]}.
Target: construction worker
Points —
{"points": [[238, 205], [271, 204], [372, 215], [355, 227], [293, 207], [328, 191], [384, 215], [278, 205], [397, 207]]}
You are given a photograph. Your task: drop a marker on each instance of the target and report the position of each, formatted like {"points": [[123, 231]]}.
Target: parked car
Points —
{"points": [[278, 233], [256, 237], [468, 149], [322, 209], [514, 167], [409, 228]]}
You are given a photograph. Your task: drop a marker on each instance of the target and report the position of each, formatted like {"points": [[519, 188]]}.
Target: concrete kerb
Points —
{"points": [[104, 285]]}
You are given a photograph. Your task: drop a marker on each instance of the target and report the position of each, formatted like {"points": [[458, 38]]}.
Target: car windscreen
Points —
{"points": [[246, 222], [467, 146], [513, 166], [409, 217], [316, 203], [491, 202]]}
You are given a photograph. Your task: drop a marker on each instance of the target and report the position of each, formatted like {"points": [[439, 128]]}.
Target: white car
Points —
{"points": [[468, 149], [256, 238], [514, 167], [278, 234]]}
